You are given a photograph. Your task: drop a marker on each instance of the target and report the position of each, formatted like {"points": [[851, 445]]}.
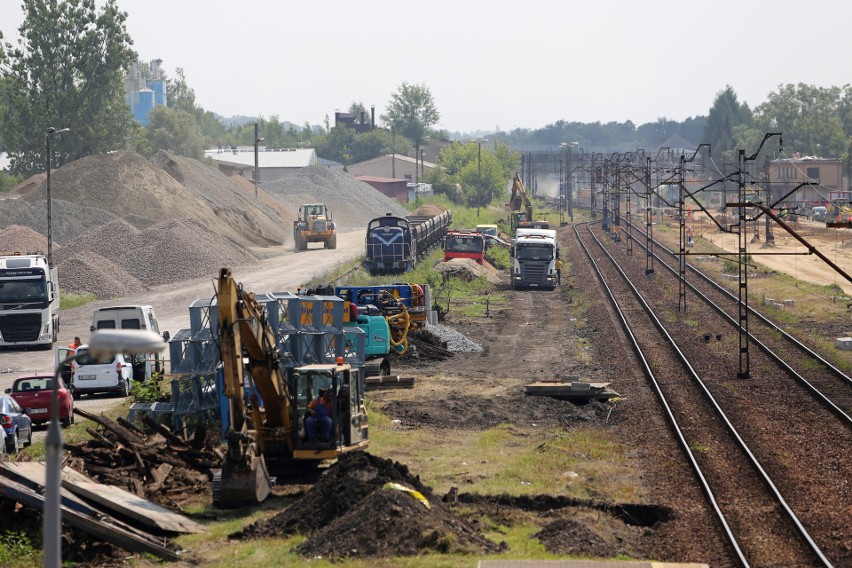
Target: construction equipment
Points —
{"points": [[268, 407], [519, 200], [314, 225], [402, 305], [464, 244], [534, 253]]}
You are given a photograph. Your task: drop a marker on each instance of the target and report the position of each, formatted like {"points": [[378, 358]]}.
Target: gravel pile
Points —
{"points": [[352, 203], [69, 219], [91, 273], [456, 342], [24, 240]]}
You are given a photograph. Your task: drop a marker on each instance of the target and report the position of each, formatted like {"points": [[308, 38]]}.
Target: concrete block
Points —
{"points": [[789, 303], [843, 343], [769, 302]]}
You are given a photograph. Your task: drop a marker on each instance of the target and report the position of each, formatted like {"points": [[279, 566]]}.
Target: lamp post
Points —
{"points": [[50, 132], [257, 140], [104, 343]]}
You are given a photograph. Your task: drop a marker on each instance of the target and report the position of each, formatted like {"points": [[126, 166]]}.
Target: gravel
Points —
{"points": [[352, 203], [456, 341]]}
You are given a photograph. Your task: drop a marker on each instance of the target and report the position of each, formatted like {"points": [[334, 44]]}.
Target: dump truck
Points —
{"points": [[314, 225], [534, 253], [269, 406]]}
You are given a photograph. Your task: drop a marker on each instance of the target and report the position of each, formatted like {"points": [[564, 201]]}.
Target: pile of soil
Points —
{"points": [[352, 203], [91, 273], [429, 210], [467, 269], [332, 515]]}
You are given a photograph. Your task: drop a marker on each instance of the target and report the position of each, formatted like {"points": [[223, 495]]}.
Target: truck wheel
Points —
{"points": [[331, 243]]}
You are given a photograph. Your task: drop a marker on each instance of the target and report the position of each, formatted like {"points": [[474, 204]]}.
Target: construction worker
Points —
{"points": [[559, 267], [74, 345], [319, 415]]}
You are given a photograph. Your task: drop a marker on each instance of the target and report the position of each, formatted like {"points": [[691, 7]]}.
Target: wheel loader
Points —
{"points": [[314, 225], [268, 408]]}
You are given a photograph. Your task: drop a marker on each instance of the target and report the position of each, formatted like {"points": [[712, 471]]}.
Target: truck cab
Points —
{"points": [[29, 301], [534, 253], [464, 244]]}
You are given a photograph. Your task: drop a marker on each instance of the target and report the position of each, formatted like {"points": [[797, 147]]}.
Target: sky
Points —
{"points": [[488, 63]]}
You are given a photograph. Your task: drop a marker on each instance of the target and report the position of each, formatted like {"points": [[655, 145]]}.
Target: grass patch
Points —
{"points": [[17, 551], [68, 301]]}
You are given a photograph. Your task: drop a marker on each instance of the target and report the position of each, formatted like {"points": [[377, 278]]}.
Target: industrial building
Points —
{"points": [[144, 89]]}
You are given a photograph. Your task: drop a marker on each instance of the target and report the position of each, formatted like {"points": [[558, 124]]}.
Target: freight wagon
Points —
{"points": [[395, 244]]}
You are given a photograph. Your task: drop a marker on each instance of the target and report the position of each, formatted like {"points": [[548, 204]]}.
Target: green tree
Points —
{"points": [[379, 142], [725, 115], [175, 131], [67, 72], [180, 95], [411, 112], [482, 176], [336, 145]]}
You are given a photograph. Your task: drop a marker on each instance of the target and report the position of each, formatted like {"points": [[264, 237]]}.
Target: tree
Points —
{"points": [[725, 115], [481, 172], [379, 142], [411, 112], [175, 131], [67, 72]]}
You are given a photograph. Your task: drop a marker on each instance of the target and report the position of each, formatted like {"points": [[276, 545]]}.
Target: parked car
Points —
{"points": [[819, 213], [90, 375], [16, 424], [33, 393]]}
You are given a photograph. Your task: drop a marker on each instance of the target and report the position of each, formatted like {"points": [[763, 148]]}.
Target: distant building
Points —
{"points": [[395, 188], [272, 163], [144, 90], [390, 166], [358, 123], [786, 174]]}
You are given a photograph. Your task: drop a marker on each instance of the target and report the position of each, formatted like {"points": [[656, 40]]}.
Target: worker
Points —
{"points": [[559, 266], [73, 346], [319, 414]]}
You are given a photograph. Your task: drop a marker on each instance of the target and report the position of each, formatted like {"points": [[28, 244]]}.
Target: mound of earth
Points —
{"points": [[165, 188], [352, 203], [354, 490], [91, 273], [468, 269], [24, 240], [429, 210]]}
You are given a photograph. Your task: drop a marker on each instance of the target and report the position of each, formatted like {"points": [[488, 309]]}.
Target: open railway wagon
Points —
{"points": [[395, 244]]}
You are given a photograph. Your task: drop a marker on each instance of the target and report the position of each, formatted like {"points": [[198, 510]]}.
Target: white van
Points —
{"points": [[90, 375], [133, 317]]}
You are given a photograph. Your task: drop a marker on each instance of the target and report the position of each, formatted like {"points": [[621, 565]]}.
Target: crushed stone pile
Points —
{"points": [[467, 269], [332, 515], [91, 273], [24, 240], [455, 341], [429, 210], [352, 203], [69, 219]]}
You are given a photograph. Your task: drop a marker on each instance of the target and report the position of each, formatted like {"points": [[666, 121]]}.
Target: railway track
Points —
{"points": [[769, 457]]}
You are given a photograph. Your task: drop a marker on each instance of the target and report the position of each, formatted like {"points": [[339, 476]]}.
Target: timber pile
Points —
{"points": [[154, 464], [427, 346]]}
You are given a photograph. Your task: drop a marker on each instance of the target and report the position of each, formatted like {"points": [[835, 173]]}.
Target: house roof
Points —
{"points": [[399, 157], [266, 157], [377, 179]]}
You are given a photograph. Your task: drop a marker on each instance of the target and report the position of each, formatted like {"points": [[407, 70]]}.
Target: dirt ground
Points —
{"points": [[834, 243]]}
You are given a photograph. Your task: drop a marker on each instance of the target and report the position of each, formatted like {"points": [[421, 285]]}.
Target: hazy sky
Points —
{"points": [[488, 63]]}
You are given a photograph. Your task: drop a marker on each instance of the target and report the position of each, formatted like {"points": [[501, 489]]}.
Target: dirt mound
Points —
{"points": [[333, 512], [352, 203], [467, 269], [429, 210], [90, 273], [16, 238]]}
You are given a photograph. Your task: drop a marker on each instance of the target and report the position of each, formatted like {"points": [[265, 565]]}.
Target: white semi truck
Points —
{"points": [[29, 301], [534, 253]]}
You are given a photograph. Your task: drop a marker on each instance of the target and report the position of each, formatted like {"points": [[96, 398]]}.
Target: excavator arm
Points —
{"points": [[245, 335], [520, 199]]}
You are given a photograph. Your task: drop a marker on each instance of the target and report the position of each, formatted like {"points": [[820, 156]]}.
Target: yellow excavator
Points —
{"points": [[268, 425], [519, 200]]}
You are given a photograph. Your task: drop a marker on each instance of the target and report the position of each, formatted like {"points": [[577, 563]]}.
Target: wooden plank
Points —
{"points": [[97, 527], [132, 506]]}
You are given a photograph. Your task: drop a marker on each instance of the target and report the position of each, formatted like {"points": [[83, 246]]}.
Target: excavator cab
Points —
{"points": [[347, 429]]}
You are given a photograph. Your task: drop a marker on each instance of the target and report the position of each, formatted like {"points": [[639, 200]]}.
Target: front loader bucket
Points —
{"points": [[242, 484]]}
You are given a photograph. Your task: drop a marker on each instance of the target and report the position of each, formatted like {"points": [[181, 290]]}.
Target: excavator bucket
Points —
{"points": [[242, 484]]}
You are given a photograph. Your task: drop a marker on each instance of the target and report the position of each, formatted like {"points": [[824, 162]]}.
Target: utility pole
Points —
{"points": [[257, 140]]}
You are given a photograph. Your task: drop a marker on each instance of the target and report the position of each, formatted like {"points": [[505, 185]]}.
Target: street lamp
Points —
{"points": [[479, 173], [104, 343], [257, 140], [50, 132]]}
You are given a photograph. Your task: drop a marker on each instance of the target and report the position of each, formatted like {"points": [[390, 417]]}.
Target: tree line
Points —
{"points": [[68, 70]]}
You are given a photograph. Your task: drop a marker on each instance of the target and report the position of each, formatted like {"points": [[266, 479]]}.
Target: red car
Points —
{"points": [[32, 393]]}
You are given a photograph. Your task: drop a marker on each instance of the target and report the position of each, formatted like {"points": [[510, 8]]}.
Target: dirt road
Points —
{"points": [[282, 272]]}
